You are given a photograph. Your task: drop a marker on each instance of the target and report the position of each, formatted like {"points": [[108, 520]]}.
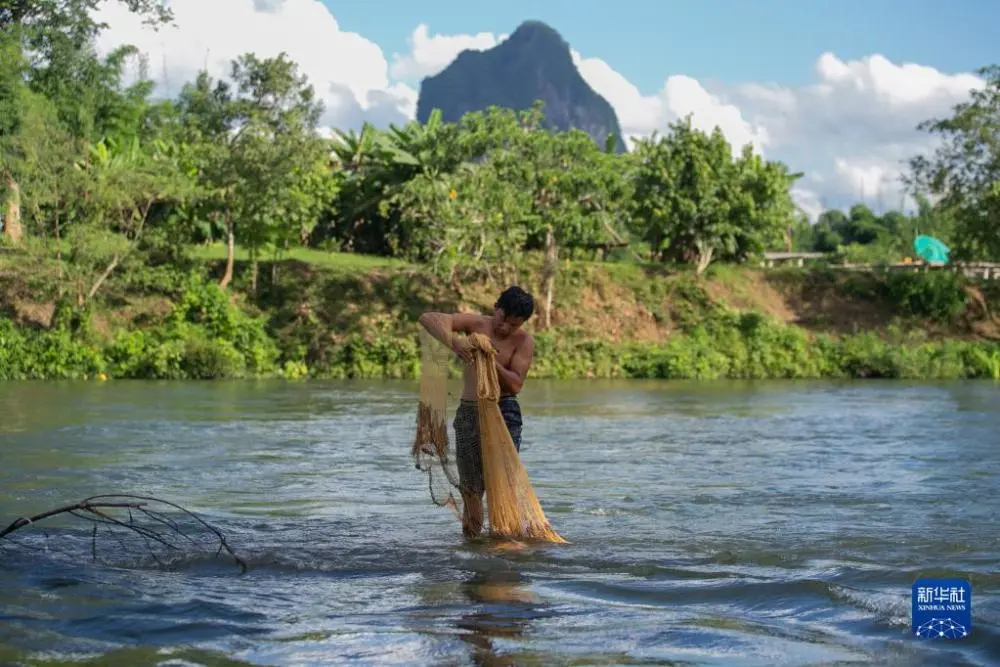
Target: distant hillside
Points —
{"points": [[533, 63]]}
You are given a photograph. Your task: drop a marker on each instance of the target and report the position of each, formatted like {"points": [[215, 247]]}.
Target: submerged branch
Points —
{"points": [[96, 509]]}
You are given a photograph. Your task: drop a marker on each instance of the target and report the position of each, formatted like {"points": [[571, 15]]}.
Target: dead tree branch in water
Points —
{"points": [[159, 530]]}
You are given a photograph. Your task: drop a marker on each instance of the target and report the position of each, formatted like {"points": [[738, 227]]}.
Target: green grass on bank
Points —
{"points": [[340, 315], [208, 338], [317, 258]]}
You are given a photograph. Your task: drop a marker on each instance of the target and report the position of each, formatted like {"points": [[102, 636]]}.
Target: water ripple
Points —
{"points": [[711, 524]]}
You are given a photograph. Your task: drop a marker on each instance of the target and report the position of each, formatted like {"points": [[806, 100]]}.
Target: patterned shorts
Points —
{"points": [[468, 447]]}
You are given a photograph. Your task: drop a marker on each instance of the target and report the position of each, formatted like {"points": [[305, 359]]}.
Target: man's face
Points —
{"points": [[504, 326]]}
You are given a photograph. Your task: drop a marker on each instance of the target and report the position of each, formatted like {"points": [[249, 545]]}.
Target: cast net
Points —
{"points": [[432, 450], [513, 510]]}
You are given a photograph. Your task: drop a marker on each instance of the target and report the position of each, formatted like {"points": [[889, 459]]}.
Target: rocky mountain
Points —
{"points": [[533, 63]]}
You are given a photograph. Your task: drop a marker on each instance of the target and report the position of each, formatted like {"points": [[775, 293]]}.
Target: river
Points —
{"points": [[710, 524]]}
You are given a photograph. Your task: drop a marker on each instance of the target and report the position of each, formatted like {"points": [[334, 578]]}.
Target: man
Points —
{"points": [[514, 348]]}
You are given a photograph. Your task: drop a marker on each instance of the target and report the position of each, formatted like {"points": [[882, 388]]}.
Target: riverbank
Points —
{"points": [[330, 315]]}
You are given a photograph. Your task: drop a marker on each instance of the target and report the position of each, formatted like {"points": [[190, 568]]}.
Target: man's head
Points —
{"points": [[512, 309]]}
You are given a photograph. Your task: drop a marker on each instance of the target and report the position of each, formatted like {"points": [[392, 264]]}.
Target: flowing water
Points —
{"points": [[711, 524]]}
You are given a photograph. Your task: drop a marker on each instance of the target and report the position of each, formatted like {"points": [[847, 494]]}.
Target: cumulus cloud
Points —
{"points": [[639, 115], [849, 130], [854, 127], [429, 54], [349, 72]]}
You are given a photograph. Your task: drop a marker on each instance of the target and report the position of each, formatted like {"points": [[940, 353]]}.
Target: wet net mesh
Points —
{"points": [[433, 450], [513, 510]]}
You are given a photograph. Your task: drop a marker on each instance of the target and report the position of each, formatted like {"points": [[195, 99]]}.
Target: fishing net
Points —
{"points": [[514, 512], [432, 450]]}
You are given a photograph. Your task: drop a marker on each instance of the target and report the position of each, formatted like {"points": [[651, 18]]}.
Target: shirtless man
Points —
{"points": [[513, 359]]}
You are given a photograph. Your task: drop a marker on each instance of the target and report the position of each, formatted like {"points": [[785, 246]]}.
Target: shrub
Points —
{"points": [[934, 295]]}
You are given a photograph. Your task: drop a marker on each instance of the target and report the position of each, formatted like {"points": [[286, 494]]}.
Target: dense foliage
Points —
{"points": [[964, 171], [88, 156], [101, 178], [860, 236], [207, 337]]}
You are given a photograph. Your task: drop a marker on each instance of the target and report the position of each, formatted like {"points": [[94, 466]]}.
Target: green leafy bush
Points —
{"points": [[935, 295], [206, 336], [27, 354]]}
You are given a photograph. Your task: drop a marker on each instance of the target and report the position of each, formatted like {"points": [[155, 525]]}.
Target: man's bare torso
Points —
{"points": [[506, 347]]}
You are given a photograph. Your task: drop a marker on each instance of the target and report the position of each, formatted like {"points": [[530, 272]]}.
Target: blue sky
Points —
{"points": [[727, 41]]}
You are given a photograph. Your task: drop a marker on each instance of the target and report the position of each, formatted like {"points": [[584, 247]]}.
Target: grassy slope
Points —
{"points": [[343, 294], [616, 302]]}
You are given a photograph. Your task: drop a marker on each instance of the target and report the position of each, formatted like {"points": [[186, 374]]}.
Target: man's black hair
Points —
{"points": [[515, 302]]}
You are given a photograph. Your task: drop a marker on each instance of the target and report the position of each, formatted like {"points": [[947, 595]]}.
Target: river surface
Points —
{"points": [[710, 524]]}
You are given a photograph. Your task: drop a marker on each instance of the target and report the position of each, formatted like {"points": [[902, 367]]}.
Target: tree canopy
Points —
{"points": [[963, 173], [111, 175]]}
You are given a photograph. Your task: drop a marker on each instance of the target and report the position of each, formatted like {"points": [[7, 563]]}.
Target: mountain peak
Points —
{"points": [[533, 63], [532, 30]]}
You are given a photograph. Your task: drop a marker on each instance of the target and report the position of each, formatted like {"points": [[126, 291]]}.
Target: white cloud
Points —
{"points": [[854, 127], [350, 73], [430, 54], [849, 130], [637, 114], [808, 201], [681, 95]]}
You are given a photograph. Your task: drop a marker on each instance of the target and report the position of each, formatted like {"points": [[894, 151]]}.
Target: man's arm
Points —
{"points": [[512, 379], [442, 325]]}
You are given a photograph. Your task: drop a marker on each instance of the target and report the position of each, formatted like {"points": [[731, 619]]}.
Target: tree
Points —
{"points": [[254, 144], [575, 191], [204, 122], [864, 226], [12, 102], [963, 172], [126, 180], [801, 236], [46, 22], [519, 187], [377, 166], [42, 156], [469, 223], [42, 45], [275, 153], [461, 210], [694, 202], [311, 192]]}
